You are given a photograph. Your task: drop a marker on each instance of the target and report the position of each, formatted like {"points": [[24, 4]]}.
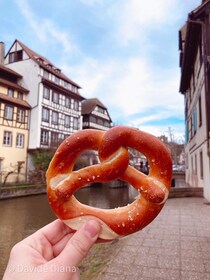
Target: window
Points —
{"points": [[101, 110], [46, 74], [200, 111], [19, 55], [68, 102], [194, 121], [56, 97], [186, 131], [20, 140], [55, 117], [54, 138], [15, 56], [65, 84], [44, 137], [7, 140], [57, 80], [196, 167], [11, 57], [92, 119], [106, 123], [20, 95], [75, 123], [45, 114], [76, 105], [20, 115], [46, 93], [201, 164], [8, 112], [100, 121], [67, 121], [10, 92]]}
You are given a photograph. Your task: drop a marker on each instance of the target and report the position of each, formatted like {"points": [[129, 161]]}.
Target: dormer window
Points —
{"points": [[39, 60], [49, 66], [15, 56], [58, 70]]}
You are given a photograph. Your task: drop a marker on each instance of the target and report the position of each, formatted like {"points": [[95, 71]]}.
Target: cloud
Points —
{"points": [[45, 29], [130, 88], [91, 2], [136, 17], [136, 89]]}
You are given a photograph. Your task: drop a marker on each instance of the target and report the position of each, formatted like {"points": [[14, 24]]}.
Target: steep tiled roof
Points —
{"points": [[10, 71], [14, 101], [200, 8], [43, 62], [88, 105], [13, 85]]}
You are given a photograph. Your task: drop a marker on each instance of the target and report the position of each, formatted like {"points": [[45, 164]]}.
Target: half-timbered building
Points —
{"points": [[194, 46], [54, 98], [95, 115], [14, 126]]}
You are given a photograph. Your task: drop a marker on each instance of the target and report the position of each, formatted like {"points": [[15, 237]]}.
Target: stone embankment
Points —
{"points": [[12, 192]]}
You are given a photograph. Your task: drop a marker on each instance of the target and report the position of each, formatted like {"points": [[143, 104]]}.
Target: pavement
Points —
{"points": [[176, 245]]}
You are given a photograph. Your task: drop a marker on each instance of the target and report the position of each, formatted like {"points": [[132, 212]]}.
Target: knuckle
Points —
{"points": [[79, 246]]}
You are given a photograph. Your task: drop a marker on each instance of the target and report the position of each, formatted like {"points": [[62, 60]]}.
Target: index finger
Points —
{"points": [[55, 231]]}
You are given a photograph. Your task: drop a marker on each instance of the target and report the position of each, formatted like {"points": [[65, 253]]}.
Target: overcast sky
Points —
{"points": [[124, 52]]}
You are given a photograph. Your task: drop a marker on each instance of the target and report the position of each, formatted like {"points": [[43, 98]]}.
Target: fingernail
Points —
{"points": [[92, 228]]}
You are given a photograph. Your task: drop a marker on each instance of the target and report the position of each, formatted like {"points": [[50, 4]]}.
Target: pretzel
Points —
{"points": [[112, 148]]}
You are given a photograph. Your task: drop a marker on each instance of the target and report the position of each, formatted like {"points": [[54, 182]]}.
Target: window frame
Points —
{"points": [[8, 109], [10, 92], [45, 114], [54, 119], [7, 138], [20, 95], [54, 98], [46, 93], [20, 115], [67, 124], [75, 123], [15, 56], [44, 137], [20, 140]]}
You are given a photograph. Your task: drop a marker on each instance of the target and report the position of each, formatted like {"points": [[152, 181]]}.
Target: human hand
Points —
{"points": [[53, 252]]}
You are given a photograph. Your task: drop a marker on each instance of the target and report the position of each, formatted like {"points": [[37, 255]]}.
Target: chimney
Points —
{"points": [[2, 53]]}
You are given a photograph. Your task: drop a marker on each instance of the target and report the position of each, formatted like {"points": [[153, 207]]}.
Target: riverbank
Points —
{"points": [[21, 190]]}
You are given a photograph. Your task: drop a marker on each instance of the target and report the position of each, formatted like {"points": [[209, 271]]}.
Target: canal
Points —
{"points": [[22, 216]]}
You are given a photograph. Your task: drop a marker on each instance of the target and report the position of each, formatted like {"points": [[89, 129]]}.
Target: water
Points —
{"points": [[22, 216]]}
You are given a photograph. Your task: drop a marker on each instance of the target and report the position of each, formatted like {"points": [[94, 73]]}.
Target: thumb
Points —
{"points": [[80, 243]]}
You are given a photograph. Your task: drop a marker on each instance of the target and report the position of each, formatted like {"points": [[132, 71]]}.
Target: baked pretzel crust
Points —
{"points": [[63, 182]]}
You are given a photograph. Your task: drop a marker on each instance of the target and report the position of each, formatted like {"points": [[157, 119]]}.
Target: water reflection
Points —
{"points": [[19, 218], [22, 216], [102, 196]]}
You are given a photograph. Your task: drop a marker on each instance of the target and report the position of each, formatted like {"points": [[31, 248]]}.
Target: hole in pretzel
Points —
{"points": [[108, 195], [112, 194], [87, 158]]}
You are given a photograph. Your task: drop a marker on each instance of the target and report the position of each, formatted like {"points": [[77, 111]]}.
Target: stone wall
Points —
{"points": [[23, 191]]}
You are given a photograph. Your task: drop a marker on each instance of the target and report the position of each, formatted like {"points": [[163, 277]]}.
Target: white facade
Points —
{"points": [[197, 159], [195, 85], [54, 99]]}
